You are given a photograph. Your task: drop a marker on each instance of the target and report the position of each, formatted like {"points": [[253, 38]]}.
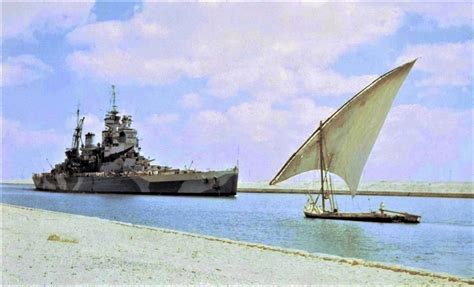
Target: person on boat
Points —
{"points": [[382, 207]]}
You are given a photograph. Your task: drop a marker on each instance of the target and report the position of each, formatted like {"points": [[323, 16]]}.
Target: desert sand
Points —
{"points": [[44, 247], [385, 188]]}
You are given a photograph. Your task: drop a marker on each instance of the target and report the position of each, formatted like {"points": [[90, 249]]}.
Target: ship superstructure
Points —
{"points": [[119, 150], [115, 165]]}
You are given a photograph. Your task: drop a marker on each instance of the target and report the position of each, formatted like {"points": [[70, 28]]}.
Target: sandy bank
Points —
{"points": [[361, 192], [384, 188], [44, 247]]}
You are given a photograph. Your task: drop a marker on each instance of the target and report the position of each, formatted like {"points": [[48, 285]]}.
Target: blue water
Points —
{"points": [[443, 242]]}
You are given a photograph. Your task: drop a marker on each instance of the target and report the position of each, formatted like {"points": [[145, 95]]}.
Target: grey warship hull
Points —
{"points": [[212, 183], [115, 165]]}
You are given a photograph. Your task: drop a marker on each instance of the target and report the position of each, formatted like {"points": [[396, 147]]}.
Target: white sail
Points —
{"points": [[350, 133]]}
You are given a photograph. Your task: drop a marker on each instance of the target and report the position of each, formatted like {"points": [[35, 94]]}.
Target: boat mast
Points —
{"points": [[321, 162]]}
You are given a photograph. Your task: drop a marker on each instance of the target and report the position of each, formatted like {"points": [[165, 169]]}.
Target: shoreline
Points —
{"points": [[38, 240], [361, 192]]}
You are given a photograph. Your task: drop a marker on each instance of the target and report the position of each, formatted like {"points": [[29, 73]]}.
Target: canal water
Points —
{"points": [[442, 242]]}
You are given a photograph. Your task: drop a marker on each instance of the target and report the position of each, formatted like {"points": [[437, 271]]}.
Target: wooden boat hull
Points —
{"points": [[369, 216]]}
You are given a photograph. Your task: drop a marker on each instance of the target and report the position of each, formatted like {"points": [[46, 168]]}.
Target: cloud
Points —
{"points": [[442, 64], [109, 34], [258, 121], [258, 134], [22, 20], [158, 135], [208, 127], [251, 48], [23, 69], [120, 52], [92, 123], [445, 14], [25, 150], [191, 101], [331, 83], [417, 142], [15, 134], [158, 127], [164, 119]]}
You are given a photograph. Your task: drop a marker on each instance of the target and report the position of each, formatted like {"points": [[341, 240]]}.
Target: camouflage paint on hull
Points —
{"points": [[213, 183]]}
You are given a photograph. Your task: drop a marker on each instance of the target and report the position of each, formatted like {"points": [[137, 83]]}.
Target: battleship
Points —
{"points": [[116, 166]]}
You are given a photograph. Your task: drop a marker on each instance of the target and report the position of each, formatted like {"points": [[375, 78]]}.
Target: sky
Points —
{"points": [[238, 83]]}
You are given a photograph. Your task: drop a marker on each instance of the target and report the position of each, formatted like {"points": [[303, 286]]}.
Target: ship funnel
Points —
{"points": [[90, 140]]}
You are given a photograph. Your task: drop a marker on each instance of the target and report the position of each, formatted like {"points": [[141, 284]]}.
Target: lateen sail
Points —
{"points": [[350, 133]]}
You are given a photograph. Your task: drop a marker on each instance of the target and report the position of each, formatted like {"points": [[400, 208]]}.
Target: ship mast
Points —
{"points": [[114, 107], [76, 138], [321, 162]]}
